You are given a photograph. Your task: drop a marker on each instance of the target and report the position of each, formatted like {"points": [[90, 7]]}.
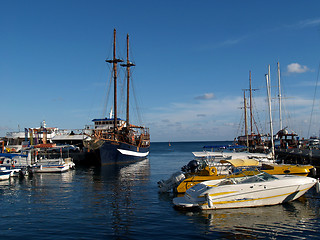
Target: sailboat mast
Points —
{"points": [[245, 118], [115, 82], [114, 62], [269, 104], [128, 65], [128, 80], [280, 110], [251, 116]]}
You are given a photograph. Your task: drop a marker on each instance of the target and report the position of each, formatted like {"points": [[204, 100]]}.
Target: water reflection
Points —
{"points": [[119, 186], [298, 219]]}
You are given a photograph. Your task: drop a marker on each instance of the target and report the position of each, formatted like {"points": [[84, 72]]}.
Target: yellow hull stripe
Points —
{"points": [[220, 193], [247, 200]]}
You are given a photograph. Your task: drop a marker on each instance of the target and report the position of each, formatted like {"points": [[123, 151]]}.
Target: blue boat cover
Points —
{"points": [[11, 155], [225, 146]]}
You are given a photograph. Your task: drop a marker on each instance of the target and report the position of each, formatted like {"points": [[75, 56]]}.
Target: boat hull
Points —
{"points": [[53, 165], [113, 152], [288, 188], [51, 169], [4, 175]]}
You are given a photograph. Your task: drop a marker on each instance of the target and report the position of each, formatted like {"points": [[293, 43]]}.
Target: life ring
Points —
{"points": [[213, 171]]}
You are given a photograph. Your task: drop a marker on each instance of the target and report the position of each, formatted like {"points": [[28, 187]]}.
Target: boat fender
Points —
{"points": [[208, 198], [318, 186]]}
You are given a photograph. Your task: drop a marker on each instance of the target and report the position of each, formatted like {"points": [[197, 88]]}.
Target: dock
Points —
{"points": [[300, 156]]}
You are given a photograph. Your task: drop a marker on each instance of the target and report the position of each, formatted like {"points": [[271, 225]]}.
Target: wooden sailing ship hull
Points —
{"points": [[114, 152]]}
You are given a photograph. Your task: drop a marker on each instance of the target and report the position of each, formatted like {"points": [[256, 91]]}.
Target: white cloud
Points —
{"points": [[309, 22], [232, 41], [206, 96], [221, 119], [196, 120], [297, 68]]}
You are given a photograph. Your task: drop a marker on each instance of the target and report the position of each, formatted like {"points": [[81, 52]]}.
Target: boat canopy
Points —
{"points": [[241, 162], [104, 119], [12, 155], [225, 146]]}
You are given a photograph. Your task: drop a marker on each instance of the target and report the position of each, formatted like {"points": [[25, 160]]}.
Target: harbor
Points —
{"points": [[160, 120], [255, 170], [89, 203]]}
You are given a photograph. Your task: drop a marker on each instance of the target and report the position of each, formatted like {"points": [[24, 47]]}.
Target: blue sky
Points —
{"points": [[192, 63]]}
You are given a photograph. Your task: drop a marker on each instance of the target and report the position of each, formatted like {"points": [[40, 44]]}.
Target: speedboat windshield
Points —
{"points": [[261, 177]]}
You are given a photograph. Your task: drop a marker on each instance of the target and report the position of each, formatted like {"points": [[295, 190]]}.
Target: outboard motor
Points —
{"points": [[171, 183], [192, 166]]}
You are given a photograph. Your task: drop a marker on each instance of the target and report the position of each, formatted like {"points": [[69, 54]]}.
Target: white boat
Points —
{"points": [[6, 173], [219, 155], [29, 162], [53, 165], [250, 190], [19, 160]]}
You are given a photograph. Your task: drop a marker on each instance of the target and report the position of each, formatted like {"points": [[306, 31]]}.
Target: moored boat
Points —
{"points": [[116, 140], [7, 172], [53, 165], [197, 171], [4, 175], [257, 189], [29, 162]]}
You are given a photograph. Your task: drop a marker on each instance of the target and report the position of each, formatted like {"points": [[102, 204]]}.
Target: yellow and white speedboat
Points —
{"points": [[259, 189], [195, 173]]}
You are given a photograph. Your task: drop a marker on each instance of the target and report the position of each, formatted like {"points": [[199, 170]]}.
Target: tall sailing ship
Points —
{"points": [[254, 142], [117, 140]]}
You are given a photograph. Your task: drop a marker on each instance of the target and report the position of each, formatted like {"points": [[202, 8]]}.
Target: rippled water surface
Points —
{"points": [[122, 202]]}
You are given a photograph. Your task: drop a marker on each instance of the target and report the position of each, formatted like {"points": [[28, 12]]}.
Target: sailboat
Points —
{"points": [[254, 142], [117, 140]]}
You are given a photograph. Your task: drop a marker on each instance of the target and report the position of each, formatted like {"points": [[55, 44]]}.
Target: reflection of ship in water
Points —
{"points": [[122, 172], [279, 221], [122, 187]]}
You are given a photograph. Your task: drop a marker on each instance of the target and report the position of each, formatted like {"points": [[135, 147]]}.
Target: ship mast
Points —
{"points": [[280, 110], [269, 104], [128, 65], [245, 119], [114, 62], [250, 89]]}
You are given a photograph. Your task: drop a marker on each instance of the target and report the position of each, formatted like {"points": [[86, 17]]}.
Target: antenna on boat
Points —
{"points": [[128, 65], [114, 62], [111, 113]]}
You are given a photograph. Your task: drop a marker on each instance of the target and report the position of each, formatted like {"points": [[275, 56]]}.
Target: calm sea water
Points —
{"points": [[122, 202]]}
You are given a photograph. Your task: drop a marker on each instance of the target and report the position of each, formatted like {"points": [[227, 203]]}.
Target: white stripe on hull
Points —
{"points": [[133, 153]]}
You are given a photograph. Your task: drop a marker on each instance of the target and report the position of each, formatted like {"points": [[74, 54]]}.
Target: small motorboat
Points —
{"points": [[6, 173], [53, 165], [248, 190]]}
